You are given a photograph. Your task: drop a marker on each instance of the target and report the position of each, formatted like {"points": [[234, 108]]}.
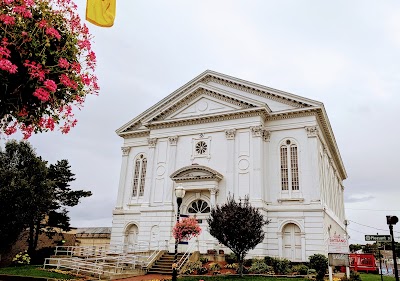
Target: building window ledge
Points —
{"points": [[281, 200]]}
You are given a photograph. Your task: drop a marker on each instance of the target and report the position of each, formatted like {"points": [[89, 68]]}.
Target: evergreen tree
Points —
{"points": [[33, 194]]}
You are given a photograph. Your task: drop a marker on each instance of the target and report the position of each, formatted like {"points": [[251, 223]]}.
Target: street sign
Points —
{"points": [[378, 238]]}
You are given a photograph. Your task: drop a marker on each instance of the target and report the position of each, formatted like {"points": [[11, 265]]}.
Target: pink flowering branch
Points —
{"points": [[186, 229], [46, 65]]}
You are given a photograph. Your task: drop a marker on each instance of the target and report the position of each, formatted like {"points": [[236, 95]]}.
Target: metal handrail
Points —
{"points": [[185, 257]]}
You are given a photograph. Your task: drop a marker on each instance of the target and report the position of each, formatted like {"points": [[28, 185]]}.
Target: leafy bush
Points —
{"points": [[280, 266], [192, 267], [301, 269], [215, 266], [203, 260], [320, 263], [232, 266], [245, 270], [22, 258], [247, 262], [354, 276], [230, 258], [259, 266], [202, 270]]}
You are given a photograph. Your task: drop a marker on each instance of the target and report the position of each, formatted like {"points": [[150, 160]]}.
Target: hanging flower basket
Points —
{"points": [[186, 229], [46, 65]]}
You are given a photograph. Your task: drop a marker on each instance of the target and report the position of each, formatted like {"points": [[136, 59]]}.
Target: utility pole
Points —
{"points": [[391, 220]]}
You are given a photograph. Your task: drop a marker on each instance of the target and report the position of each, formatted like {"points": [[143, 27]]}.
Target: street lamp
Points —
{"points": [[179, 193], [391, 220]]}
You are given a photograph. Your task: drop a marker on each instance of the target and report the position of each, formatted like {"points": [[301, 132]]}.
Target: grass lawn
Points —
{"points": [[237, 278], [32, 271], [375, 277], [364, 277]]}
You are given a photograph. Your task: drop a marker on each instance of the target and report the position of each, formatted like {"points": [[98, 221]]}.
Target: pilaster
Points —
{"points": [[150, 170], [122, 177], [230, 135], [173, 141]]}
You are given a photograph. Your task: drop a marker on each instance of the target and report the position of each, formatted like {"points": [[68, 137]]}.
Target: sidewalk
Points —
{"points": [[147, 277]]}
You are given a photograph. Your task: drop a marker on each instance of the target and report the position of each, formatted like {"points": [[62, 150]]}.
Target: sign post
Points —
{"points": [[338, 248]]}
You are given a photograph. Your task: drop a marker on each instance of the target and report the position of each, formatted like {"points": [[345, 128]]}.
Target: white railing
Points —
{"points": [[105, 259], [185, 256]]}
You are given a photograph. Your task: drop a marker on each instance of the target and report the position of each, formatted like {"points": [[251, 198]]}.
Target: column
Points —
{"points": [[149, 173], [213, 192], [230, 164], [173, 141], [122, 177], [256, 184], [312, 173]]}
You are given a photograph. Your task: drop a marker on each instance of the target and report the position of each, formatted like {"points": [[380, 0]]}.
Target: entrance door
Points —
{"points": [[292, 242], [131, 235]]}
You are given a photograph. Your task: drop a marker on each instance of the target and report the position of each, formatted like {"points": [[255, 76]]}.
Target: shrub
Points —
{"points": [[215, 266], [320, 263], [230, 258], [354, 276], [22, 258], [202, 270], [191, 267], [259, 266], [203, 260], [247, 262], [232, 266], [245, 270], [280, 266], [301, 269]]}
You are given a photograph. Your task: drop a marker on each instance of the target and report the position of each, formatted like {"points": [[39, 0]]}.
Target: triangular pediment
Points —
{"points": [[213, 93], [205, 105], [195, 173]]}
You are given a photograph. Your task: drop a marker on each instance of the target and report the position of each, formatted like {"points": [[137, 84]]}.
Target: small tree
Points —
{"points": [[320, 263], [238, 226]]}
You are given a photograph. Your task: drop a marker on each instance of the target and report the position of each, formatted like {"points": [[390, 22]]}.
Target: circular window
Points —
{"points": [[201, 147], [288, 142], [199, 206]]}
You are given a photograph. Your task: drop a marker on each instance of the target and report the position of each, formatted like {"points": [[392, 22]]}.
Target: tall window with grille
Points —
{"points": [[139, 176], [289, 166]]}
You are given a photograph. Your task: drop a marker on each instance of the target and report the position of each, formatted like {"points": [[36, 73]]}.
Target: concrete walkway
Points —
{"points": [[147, 277]]}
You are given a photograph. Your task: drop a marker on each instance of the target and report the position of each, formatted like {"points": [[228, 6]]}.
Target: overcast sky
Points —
{"points": [[345, 54]]}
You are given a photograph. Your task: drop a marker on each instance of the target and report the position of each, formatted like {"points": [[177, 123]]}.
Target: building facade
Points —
{"points": [[219, 135]]}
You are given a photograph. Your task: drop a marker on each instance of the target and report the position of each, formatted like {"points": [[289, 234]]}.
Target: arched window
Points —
{"points": [[289, 166], [199, 206], [139, 176]]}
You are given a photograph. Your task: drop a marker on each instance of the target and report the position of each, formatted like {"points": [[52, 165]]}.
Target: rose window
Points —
{"points": [[201, 147], [199, 206]]}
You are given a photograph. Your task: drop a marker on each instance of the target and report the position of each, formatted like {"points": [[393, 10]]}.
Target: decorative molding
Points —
{"points": [[185, 101], [152, 142], [230, 134], [266, 135], [257, 131], [173, 140], [254, 91], [125, 150], [208, 119], [195, 173], [312, 131]]}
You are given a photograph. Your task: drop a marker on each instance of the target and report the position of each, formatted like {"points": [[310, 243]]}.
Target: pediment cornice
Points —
{"points": [[195, 173]]}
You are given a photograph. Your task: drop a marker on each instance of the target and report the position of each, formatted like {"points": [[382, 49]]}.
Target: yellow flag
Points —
{"points": [[101, 12]]}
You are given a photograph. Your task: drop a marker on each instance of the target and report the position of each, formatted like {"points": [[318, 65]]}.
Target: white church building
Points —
{"points": [[219, 135]]}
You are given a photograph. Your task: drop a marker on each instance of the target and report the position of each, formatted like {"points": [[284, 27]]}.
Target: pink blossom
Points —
{"points": [[35, 70], [23, 11], [53, 32], [85, 79], [6, 19], [42, 23], [63, 63], [186, 229], [42, 94], [50, 85], [84, 44], [7, 65], [76, 66], [29, 3]]}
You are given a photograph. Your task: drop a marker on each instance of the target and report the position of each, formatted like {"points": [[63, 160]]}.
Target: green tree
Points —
{"points": [[319, 262], [238, 226], [33, 194], [355, 247]]}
